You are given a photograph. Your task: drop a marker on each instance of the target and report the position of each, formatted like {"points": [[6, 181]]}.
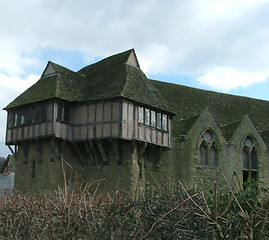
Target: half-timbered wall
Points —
{"points": [[100, 120], [148, 129], [97, 120], [30, 122]]}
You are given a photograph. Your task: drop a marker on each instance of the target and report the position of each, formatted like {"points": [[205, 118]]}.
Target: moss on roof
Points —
{"points": [[109, 78], [186, 124], [63, 84], [225, 108], [228, 130]]}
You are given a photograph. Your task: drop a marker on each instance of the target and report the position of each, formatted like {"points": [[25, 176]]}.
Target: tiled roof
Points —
{"points": [[112, 77], [227, 109]]}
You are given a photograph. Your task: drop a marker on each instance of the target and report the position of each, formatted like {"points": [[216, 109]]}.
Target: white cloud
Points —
{"points": [[226, 79], [10, 88]]}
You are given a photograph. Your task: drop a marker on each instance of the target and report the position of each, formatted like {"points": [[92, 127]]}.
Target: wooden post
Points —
{"points": [[115, 150], [77, 150], [95, 154], [11, 150], [89, 151], [101, 150]]}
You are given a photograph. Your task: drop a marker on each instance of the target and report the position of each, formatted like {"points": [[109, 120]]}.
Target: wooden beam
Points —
{"points": [[11, 150], [89, 151], [78, 153], [99, 163], [102, 152], [115, 150], [16, 151]]}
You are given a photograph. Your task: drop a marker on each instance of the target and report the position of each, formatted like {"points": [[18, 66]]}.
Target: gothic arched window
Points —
{"points": [[249, 160], [208, 149]]}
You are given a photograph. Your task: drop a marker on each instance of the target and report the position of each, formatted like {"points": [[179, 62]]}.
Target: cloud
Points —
{"points": [[11, 87], [226, 79], [179, 37]]}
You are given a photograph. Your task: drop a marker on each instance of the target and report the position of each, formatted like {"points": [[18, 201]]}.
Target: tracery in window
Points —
{"points": [[208, 149], [249, 160]]}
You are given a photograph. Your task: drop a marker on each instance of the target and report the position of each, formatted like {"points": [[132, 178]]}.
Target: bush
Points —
{"points": [[165, 212]]}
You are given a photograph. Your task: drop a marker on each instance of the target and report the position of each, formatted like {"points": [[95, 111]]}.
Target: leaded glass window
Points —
{"points": [[159, 120], [249, 160], [208, 149], [63, 112], [164, 122], [147, 116], [203, 154], [213, 156], [245, 158], [140, 114], [16, 119], [153, 118]]}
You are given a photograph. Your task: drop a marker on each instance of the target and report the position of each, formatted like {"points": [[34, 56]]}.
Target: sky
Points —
{"points": [[218, 45]]}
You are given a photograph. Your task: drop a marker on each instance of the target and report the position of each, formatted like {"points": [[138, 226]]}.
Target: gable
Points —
{"points": [[244, 129], [132, 59], [204, 122], [49, 70]]}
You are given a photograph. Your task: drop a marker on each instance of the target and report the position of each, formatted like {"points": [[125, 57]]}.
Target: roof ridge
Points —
{"points": [[107, 59]]}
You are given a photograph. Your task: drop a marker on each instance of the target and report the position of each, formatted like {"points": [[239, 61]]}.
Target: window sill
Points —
{"points": [[155, 128]]}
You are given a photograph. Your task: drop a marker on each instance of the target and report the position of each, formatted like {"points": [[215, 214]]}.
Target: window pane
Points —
{"points": [[147, 114], [153, 118], [164, 122], [248, 142], [66, 113], [44, 112], [254, 159], [140, 114], [17, 120], [29, 116], [10, 119], [60, 111], [208, 136], [245, 158], [213, 156], [203, 154], [23, 116], [159, 120], [37, 114]]}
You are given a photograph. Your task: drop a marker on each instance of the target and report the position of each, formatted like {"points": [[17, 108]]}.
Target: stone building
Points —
{"points": [[109, 123]]}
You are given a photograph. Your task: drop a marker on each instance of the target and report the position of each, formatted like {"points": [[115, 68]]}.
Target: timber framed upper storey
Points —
{"points": [[111, 99]]}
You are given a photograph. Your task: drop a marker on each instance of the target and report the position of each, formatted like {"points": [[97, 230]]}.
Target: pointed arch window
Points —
{"points": [[208, 149], [249, 160], [203, 153]]}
